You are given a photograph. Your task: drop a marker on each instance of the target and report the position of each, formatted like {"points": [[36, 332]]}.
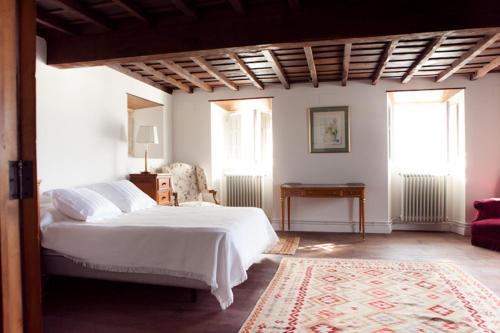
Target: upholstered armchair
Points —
{"points": [[189, 184], [485, 229]]}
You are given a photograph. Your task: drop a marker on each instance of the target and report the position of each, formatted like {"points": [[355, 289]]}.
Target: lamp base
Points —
{"points": [[145, 172]]}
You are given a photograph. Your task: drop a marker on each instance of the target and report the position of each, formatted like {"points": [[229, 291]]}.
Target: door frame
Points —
{"points": [[19, 226]]}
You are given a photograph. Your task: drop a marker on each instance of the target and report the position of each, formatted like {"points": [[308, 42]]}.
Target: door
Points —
{"points": [[19, 230]]}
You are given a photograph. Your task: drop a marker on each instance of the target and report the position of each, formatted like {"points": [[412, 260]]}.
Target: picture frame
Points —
{"points": [[329, 130]]}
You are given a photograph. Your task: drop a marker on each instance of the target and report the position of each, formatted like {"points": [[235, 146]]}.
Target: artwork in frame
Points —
{"points": [[329, 129]]}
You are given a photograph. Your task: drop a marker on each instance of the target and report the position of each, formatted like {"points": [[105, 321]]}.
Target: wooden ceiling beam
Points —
{"points": [[159, 75], [275, 64], [480, 46], [185, 8], [137, 76], [312, 65], [214, 72], [345, 63], [486, 69], [237, 6], [87, 14], [186, 75], [246, 70], [384, 60], [134, 9], [423, 58], [52, 22]]}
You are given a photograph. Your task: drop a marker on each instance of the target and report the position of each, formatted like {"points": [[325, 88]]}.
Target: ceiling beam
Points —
{"points": [[480, 46], [312, 65], [185, 8], [294, 4], [423, 58], [246, 70], [186, 75], [52, 22], [384, 59], [87, 14], [275, 64], [214, 72], [139, 77], [237, 6], [174, 35], [134, 9], [486, 69], [159, 75], [345, 63]]}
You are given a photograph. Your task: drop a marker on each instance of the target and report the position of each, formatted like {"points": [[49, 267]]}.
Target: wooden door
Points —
{"points": [[19, 231]]}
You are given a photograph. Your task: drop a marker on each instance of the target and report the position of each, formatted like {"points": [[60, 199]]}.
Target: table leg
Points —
{"points": [[282, 214], [288, 206], [362, 216]]}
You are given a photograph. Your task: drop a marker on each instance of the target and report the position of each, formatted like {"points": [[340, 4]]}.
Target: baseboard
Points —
{"points": [[457, 227], [335, 226]]}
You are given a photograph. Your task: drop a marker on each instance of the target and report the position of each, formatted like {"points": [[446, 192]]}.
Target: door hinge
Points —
{"points": [[20, 180]]}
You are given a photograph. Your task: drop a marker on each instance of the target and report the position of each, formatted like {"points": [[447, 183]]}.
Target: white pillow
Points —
{"points": [[84, 205], [124, 195]]}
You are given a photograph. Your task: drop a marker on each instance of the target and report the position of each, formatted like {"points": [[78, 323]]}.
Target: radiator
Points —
{"points": [[244, 191], [423, 198]]}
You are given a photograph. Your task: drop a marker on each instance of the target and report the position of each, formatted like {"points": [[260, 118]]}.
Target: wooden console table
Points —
{"points": [[349, 190]]}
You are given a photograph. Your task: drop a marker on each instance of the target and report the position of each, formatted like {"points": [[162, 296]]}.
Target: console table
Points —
{"points": [[349, 190]]}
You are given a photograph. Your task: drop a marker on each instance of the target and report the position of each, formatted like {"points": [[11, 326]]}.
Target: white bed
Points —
{"points": [[181, 246]]}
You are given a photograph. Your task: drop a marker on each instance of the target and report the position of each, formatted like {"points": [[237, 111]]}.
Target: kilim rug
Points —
{"points": [[286, 245], [345, 295]]}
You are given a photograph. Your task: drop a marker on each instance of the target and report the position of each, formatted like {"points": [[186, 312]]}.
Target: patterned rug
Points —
{"points": [[345, 295], [286, 245]]}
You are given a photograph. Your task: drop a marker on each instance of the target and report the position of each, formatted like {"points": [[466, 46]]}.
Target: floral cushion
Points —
{"points": [[183, 181], [190, 182]]}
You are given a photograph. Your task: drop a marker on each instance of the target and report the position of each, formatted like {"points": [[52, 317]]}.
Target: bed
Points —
{"points": [[194, 247]]}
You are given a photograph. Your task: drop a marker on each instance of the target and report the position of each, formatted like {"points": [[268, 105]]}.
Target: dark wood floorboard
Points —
{"points": [[79, 305]]}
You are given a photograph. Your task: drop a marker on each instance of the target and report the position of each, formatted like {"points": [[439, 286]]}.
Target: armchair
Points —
{"points": [[189, 184], [485, 229]]}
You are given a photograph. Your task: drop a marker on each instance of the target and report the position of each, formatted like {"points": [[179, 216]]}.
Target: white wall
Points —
{"points": [[367, 161], [82, 124], [153, 116]]}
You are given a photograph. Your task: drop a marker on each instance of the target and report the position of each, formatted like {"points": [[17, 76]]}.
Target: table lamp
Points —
{"points": [[147, 134]]}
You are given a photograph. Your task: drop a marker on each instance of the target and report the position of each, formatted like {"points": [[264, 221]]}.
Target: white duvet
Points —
{"points": [[213, 244]]}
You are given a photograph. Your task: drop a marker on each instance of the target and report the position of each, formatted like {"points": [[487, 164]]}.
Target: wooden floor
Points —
{"points": [[77, 305]]}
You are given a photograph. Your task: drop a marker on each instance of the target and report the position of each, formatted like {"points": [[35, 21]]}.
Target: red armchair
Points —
{"points": [[485, 229]]}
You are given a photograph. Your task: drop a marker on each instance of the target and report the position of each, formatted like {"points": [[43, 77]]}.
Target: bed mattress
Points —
{"points": [[214, 245]]}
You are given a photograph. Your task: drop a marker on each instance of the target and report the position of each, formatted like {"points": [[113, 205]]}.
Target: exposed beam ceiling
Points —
{"points": [[312, 65], [134, 9], [174, 34], [345, 63], [145, 68], [471, 54], [214, 72], [246, 70], [186, 75], [277, 68], [486, 69], [423, 58], [85, 13], [139, 77], [50, 21], [384, 59], [185, 8]]}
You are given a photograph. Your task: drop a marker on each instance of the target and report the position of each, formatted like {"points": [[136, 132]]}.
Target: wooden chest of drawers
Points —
{"points": [[157, 185]]}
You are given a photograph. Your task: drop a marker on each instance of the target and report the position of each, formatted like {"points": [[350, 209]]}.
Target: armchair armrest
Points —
{"points": [[214, 193], [487, 208]]}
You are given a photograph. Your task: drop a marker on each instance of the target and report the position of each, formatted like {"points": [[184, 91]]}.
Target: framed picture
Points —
{"points": [[329, 129]]}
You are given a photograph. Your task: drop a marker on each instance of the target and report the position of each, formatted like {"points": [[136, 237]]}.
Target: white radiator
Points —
{"points": [[244, 191], [423, 198]]}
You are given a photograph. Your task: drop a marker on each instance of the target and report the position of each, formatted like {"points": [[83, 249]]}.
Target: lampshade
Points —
{"points": [[147, 134]]}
